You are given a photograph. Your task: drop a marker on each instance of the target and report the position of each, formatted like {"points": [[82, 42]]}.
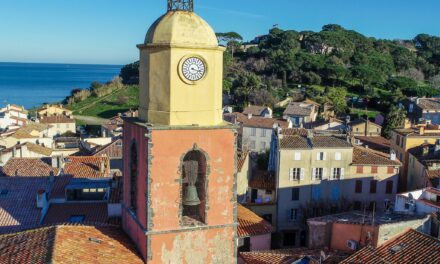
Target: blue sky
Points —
{"points": [[106, 31]]}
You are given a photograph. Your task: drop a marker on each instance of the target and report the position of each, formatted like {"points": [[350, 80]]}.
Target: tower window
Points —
{"points": [[133, 177], [194, 188]]}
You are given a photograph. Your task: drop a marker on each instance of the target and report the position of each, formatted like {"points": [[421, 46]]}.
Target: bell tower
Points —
{"points": [[179, 201], [181, 70]]}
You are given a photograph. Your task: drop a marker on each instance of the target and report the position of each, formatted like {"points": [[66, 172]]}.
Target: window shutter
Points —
{"points": [[291, 174], [302, 174], [313, 174], [317, 156], [324, 174], [289, 215], [297, 155], [324, 156], [332, 173], [342, 173]]}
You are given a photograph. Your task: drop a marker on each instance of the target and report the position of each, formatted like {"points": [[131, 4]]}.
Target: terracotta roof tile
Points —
{"points": [[29, 167], [69, 244], [254, 110], [250, 224], [39, 149], [262, 180], [256, 121], [376, 143], [18, 209], [25, 131], [92, 212], [299, 109], [364, 156], [410, 247], [299, 141]]}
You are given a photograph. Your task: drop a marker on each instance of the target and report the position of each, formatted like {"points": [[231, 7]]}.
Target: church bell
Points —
{"points": [[191, 196]]}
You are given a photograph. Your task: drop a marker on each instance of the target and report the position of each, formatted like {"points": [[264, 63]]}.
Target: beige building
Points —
{"points": [[317, 174], [242, 175], [301, 113], [54, 110], [364, 127], [424, 166], [25, 150], [33, 133], [406, 138], [60, 125]]}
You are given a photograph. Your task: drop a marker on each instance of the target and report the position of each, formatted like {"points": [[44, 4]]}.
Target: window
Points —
{"points": [[263, 133], [293, 214], [252, 145], [194, 187], [92, 190], [338, 156], [296, 174], [268, 192], [373, 186], [374, 169], [360, 169], [397, 140], [297, 155], [133, 177], [358, 188], [253, 131], [390, 187], [263, 145], [244, 244], [295, 194], [318, 173], [77, 218], [86, 190], [289, 239], [337, 173], [390, 170], [372, 206], [320, 156]]}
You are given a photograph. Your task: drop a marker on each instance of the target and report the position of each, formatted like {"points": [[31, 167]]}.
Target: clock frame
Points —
{"points": [[183, 70]]}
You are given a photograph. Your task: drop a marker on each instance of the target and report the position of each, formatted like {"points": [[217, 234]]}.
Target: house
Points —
{"points": [[377, 143], [364, 127], [113, 127], [301, 113], [54, 110], [32, 132], [323, 125], [419, 109], [350, 231], [253, 232], [69, 244], [255, 110], [423, 201], [403, 139], [409, 247], [243, 175], [25, 150], [60, 124], [13, 116], [66, 146], [255, 133], [318, 174], [424, 166]]}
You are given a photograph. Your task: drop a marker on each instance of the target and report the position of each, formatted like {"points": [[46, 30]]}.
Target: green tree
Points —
{"points": [[336, 96], [394, 119], [130, 73], [231, 39]]}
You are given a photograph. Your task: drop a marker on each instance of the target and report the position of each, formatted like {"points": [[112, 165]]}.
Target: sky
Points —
{"points": [[107, 31]]}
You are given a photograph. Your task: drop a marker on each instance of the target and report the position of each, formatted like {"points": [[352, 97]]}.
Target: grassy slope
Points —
{"points": [[109, 105]]}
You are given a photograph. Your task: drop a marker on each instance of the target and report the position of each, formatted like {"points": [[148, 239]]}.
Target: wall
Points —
{"points": [[387, 232], [416, 172], [342, 232], [243, 177], [261, 242], [319, 234], [262, 138]]}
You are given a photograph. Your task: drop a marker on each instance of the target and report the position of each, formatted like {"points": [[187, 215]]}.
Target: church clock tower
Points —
{"points": [[179, 201]]}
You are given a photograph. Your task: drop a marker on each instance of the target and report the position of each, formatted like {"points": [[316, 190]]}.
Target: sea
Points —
{"points": [[33, 84]]}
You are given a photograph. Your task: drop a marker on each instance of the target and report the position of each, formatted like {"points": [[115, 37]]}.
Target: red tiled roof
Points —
{"points": [[376, 143], [250, 224], [87, 167], [364, 156], [410, 247], [262, 180], [258, 122], [28, 167], [69, 244], [18, 210], [92, 212]]}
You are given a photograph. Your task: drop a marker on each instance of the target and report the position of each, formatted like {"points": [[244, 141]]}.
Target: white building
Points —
{"points": [[13, 115], [421, 201]]}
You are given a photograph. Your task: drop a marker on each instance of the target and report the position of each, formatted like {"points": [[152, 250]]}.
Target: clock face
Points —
{"points": [[193, 69]]}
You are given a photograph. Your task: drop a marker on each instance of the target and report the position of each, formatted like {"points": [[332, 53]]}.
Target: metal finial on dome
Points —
{"points": [[181, 5]]}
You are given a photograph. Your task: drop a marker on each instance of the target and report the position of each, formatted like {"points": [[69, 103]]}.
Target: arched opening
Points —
{"points": [[133, 177], [194, 188]]}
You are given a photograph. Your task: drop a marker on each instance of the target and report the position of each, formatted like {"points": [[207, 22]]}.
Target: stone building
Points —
{"points": [[179, 202]]}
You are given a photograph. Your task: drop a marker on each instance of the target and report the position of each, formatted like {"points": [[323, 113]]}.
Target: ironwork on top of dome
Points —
{"points": [[181, 5]]}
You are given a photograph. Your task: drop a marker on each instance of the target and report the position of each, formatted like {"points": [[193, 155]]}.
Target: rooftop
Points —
{"points": [[410, 247], [262, 180], [288, 256], [250, 224], [18, 209], [29, 167], [358, 217], [256, 121], [299, 109], [254, 110], [69, 244], [364, 156], [31, 130], [58, 119], [89, 212], [297, 140], [429, 103], [377, 143]]}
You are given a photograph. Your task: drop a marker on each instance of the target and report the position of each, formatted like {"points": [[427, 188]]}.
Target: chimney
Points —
{"points": [[421, 130], [249, 116], [41, 199], [310, 134], [393, 155], [425, 149]]}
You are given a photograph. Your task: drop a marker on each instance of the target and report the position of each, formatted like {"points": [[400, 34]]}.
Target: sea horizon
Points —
{"points": [[32, 84]]}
